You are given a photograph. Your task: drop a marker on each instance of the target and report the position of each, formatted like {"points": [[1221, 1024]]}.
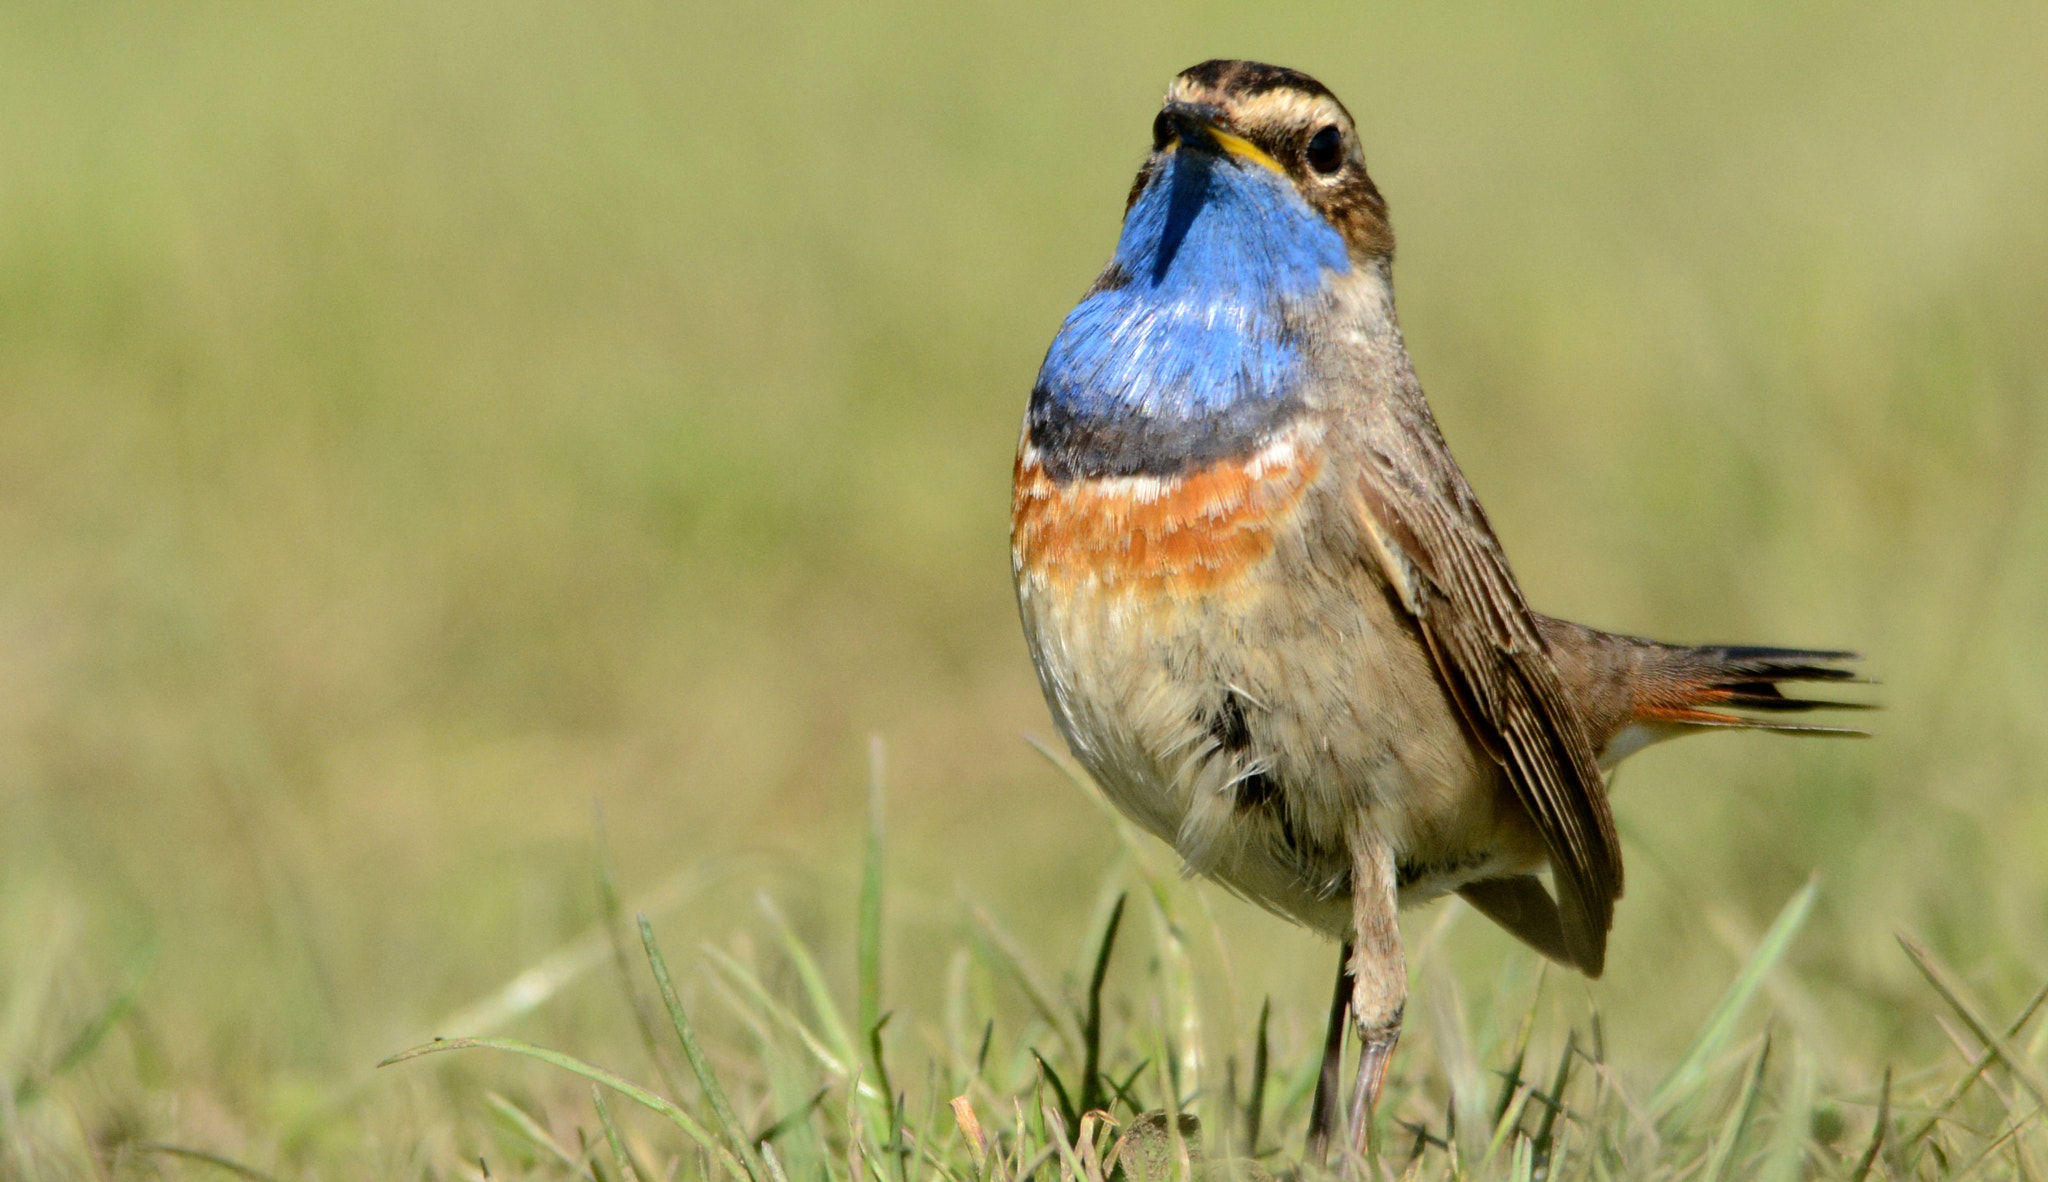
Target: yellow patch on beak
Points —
{"points": [[1201, 128], [1237, 145]]}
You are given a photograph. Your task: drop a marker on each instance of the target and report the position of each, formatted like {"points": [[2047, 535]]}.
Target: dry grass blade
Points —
{"points": [[1062, 1142], [1969, 1078], [1977, 1164], [970, 1128], [1955, 994]]}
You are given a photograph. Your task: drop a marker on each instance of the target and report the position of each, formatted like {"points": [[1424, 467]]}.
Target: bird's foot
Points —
{"points": [[1376, 1049]]}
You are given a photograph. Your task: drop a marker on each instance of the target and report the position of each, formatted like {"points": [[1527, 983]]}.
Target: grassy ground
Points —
{"points": [[425, 427]]}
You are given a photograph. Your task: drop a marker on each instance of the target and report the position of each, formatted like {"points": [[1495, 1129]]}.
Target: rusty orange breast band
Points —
{"points": [[1186, 533]]}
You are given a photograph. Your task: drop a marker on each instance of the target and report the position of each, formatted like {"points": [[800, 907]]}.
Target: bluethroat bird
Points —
{"points": [[1269, 614]]}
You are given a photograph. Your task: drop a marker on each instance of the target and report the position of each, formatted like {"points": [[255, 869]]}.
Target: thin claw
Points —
{"points": [[1322, 1114], [1376, 1051]]}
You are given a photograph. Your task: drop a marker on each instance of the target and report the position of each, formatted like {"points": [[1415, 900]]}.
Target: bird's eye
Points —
{"points": [[1325, 151], [1162, 131]]}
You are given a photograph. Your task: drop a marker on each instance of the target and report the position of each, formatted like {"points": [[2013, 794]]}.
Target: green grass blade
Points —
{"points": [[1507, 1113], [1522, 1163], [626, 1169], [1092, 1096], [897, 1147], [1685, 1079], [1010, 956], [869, 937], [1729, 1141], [1176, 968], [954, 1020], [889, 1094], [659, 1105], [1553, 1101], [871, 904], [529, 1130], [1071, 1167], [1176, 985], [721, 1108], [1255, 1103], [612, 904], [548, 976], [1059, 1089], [90, 1035], [1785, 1153], [832, 1026], [784, 1124], [1877, 1130], [781, 1014], [931, 1136], [212, 1159]]}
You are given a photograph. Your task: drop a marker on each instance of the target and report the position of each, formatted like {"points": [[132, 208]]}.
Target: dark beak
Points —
{"points": [[1194, 125], [1201, 127]]}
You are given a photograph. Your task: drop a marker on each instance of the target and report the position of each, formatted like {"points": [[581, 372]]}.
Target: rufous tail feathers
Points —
{"points": [[1634, 692]]}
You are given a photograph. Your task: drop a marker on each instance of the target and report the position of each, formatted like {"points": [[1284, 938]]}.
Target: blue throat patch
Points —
{"points": [[1182, 354]]}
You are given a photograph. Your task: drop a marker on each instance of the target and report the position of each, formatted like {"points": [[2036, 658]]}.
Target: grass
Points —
{"points": [[1720, 1112], [1079, 1075], [424, 426], [991, 1112]]}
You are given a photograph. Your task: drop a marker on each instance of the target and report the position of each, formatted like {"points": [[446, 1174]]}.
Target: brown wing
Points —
{"points": [[1524, 908], [1438, 550]]}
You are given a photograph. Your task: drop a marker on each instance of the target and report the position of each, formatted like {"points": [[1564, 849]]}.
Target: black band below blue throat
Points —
{"points": [[1079, 445]]}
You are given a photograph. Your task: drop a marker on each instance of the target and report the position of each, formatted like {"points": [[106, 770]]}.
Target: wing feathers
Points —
{"points": [[1483, 640]]}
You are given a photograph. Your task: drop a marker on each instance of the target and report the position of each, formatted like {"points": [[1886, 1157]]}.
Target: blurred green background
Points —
{"points": [[423, 425]]}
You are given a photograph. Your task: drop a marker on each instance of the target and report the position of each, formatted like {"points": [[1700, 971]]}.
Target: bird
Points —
{"points": [[1269, 615]]}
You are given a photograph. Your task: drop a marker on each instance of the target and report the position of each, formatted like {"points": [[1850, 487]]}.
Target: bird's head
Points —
{"points": [[1247, 125], [1252, 229]]}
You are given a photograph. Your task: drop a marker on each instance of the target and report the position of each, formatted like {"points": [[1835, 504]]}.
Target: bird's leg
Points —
{"points": [[1323, 1113], [1380, 974]]}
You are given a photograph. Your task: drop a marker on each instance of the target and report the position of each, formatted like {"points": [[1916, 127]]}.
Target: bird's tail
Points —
{"points": [[1690, 686], [1633, 692]]}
